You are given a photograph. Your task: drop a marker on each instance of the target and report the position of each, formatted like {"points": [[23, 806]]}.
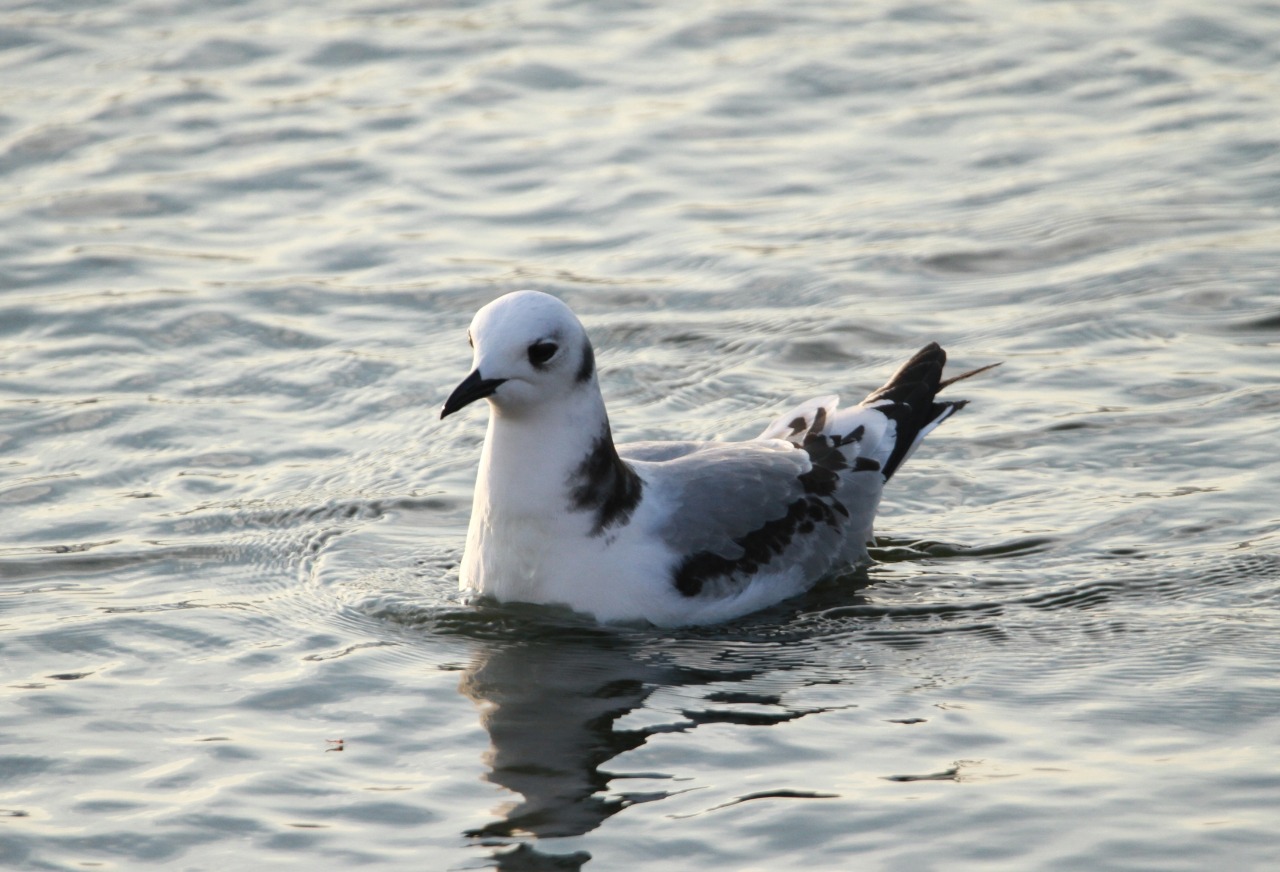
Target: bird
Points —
{"points": [[669, 533]]}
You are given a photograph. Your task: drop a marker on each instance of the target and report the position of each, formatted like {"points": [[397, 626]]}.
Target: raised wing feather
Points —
{"points": [[794, 425]]}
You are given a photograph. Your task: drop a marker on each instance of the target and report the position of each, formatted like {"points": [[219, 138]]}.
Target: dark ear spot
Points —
{"points": [[541, 352], [588, 366]]}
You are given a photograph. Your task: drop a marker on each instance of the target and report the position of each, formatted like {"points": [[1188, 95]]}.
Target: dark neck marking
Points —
{"points": [[818, 505], [604, 484]]}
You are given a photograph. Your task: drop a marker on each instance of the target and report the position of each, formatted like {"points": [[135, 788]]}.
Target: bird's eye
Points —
{"points": [[469, 342], [541, 352]]}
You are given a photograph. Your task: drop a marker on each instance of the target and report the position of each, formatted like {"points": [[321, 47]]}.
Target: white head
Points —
{"points": [[529, 350]]}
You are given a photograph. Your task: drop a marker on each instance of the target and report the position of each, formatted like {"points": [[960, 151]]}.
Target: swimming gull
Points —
{"points": [[673, 533]]}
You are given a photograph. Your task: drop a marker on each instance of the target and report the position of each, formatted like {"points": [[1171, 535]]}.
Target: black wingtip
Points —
{"points": [[908, 398], [916, 380]]}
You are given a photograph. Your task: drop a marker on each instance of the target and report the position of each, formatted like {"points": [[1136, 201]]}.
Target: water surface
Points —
{"points": [[241, 244]]}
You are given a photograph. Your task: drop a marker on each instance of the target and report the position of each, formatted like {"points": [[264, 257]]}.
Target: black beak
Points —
{"points": [[473, 388]]}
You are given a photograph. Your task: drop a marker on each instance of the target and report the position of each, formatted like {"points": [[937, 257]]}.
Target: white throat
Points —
{"points": [[531, 464]]}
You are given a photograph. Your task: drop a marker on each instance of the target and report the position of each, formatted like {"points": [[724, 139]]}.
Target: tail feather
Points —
{"points": [[970, 374]]}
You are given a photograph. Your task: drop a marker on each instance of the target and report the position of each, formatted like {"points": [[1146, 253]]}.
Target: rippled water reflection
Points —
{"points": [[241, 244]]}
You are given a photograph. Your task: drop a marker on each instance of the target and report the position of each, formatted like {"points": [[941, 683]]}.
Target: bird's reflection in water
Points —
{"points": [[552, 697], [549, 706]]}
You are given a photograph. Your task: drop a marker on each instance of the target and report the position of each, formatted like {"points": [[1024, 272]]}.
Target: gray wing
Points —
{"points": [[736, 509]]}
